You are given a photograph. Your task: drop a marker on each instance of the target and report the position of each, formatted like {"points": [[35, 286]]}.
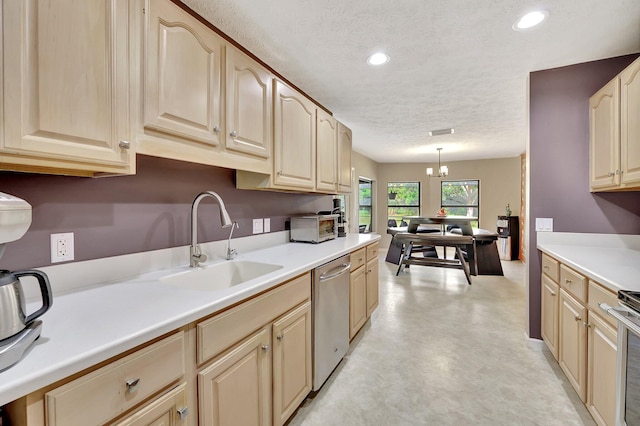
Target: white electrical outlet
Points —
{"points": [[257, 226], [62, 247], [267, 224], [544, 224]]}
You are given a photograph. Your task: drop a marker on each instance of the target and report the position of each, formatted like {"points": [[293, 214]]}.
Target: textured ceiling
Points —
{"points": [[454, 63]]}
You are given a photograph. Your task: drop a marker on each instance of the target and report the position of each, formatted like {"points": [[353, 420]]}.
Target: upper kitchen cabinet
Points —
{"points": [[615, 133], [182, 85], [630, 125], [294, 144], [66, 87], [248, 106], [294, 131], [327, 152], [344, 158]]}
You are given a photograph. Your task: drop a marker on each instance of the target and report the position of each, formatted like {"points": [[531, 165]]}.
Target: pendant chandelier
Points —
{"points": [[443, 171]]}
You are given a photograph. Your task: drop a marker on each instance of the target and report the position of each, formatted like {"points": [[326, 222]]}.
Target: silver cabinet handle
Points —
{"points": [[280, 337], [124, 144], [233, 134], [609, 174], [265, 347], [217, 129], [132, 384], [618, 171], [183, 412]]}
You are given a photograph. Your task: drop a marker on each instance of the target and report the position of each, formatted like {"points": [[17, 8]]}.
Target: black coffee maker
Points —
{"points": [[342, 224]]}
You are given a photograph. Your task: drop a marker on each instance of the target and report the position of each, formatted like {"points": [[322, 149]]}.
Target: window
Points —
{"points": [[403, 199], [365, 206], [461, 198]]}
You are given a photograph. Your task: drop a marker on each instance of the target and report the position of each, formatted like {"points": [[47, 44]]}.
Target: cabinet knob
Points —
{"points": [[586, 324], [280, 337], [265, 347], [578, 318], [183, 412], [124, 144], [546, 267], [132, 384], [233, 134], [609, 174], [618, 172], [217, 129], [568, 281]]}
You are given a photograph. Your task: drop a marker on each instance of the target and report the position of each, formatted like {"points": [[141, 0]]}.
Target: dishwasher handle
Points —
{"points": [[335, 272]]}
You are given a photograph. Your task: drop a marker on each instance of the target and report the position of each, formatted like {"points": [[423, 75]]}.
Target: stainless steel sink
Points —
{"points": [[219, 276]]}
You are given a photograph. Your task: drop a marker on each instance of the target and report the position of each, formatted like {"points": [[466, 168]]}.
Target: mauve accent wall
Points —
{"points": [[148, 211], [559, 159]]}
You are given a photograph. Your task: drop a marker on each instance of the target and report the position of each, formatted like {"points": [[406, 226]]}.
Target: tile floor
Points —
{"points": [[440, 352]]}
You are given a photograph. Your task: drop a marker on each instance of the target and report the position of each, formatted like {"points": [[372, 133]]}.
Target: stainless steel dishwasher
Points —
{"points": [[330, 317]]}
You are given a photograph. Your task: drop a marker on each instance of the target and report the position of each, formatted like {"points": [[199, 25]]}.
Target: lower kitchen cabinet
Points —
{"points": [[549, 317], [573, 342], [169, 409], [258, 377], [363, 287], [357, 300], [236, 388], [292, 379], [601, 377], [585, 337], [372, 286]]}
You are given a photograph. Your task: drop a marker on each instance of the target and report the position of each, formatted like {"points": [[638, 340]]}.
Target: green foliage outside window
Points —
{"points": [[403, 200]]}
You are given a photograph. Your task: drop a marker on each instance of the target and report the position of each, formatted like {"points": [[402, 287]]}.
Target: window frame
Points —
{"points": [[369, 226], [476, 206], [418, 206]]}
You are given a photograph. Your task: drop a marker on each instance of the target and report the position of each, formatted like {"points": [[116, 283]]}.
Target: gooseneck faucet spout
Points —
{"points": [[196, 256], [231, 253]]}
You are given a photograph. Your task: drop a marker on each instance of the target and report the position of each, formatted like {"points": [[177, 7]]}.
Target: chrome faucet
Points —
{"points": [[231, 253], [196, 256]]}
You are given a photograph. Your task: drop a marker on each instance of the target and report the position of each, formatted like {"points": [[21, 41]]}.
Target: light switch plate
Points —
{"points": [[267, 224], [257, 226], [62, 247], [544, 224]]}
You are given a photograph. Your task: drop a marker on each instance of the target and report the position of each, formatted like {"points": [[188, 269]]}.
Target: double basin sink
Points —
{"points": [[219, 276]]}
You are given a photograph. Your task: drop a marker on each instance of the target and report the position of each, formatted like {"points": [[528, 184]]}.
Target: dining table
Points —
{"points": [[463, 222]]}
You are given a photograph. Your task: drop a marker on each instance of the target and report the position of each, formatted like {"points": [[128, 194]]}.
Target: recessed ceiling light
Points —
{"points": [[529, 20], [441, 132], [378, 59]]}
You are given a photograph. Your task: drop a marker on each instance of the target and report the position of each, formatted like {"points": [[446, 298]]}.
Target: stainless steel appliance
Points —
{"points": [[628, 365], [314, 228], [18, 330], [330, 296]]}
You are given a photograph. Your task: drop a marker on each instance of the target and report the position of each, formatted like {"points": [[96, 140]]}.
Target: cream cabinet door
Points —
{"points": [[630, 124], [294, 132], [169, 409], [550, 297], [357, 300], [372, 286], [66, 84], [291, 362], [601, 378], [604, 136], [183, 77], [236, 388], [248, 111], [327, 152], [344, 158], [572, 346]]}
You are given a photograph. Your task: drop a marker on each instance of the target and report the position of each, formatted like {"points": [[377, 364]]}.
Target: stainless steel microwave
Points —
{"points": [[314, 228]]}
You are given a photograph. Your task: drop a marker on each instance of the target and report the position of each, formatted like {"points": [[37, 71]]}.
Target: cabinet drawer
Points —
{"points": [[358, 258], [104, 393], [227, 328], [598, 295], [550, 267], [372, 251], [574, 283]]}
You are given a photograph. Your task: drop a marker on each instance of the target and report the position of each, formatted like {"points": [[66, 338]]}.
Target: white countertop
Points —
{"points": [[89, 325], [610, 260]]}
